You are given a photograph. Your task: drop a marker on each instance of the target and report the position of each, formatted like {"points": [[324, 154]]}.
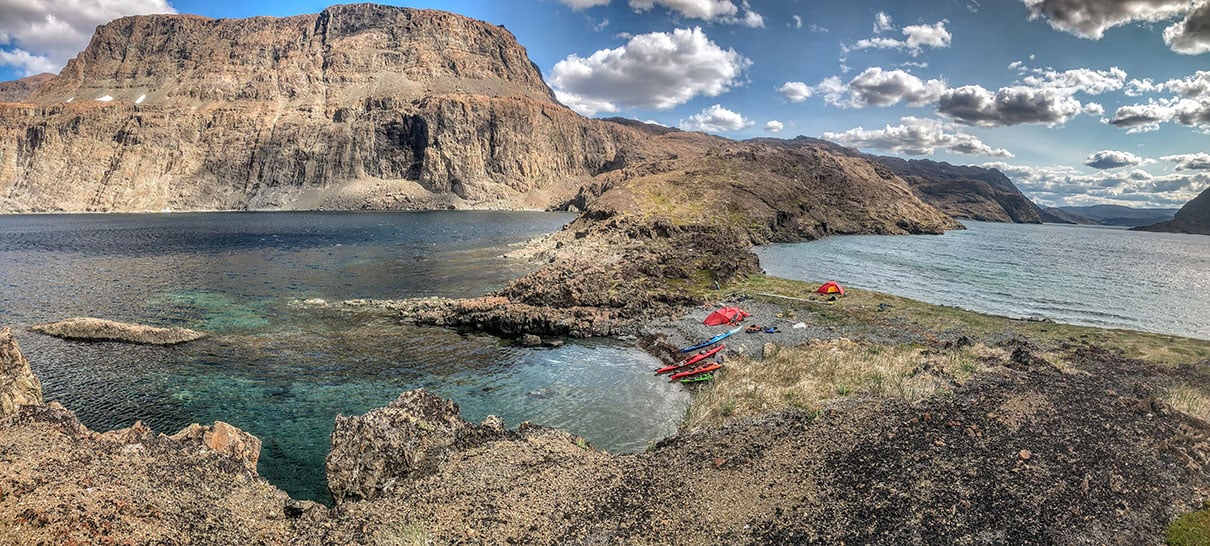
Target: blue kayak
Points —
{"points": [[713, 340]]}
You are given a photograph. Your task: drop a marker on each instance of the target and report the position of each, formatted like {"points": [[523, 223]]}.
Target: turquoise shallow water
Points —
{"points": [[1095, 276], [283, 372]]}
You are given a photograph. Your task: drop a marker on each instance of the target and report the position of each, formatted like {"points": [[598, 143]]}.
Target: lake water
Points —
{"points": [[1095, 276], [283, 372]]}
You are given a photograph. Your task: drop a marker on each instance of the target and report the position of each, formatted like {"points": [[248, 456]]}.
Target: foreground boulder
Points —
{"points": [[410, 439], [18, 385], [94, 329]]}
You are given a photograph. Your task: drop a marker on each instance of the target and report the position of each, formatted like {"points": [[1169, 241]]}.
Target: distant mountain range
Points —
{"points": [[1113, 215]]}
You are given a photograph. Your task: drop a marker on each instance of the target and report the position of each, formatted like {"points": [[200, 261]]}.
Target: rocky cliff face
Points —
{"points": [[969, 192], [19, 90], [360, 106], [1194, 217], [965, 192]]}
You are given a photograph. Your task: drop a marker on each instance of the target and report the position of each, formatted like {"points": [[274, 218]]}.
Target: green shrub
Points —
{"points": [[1190, 530]]}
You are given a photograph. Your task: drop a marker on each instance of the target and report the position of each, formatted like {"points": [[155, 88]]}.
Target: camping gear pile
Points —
{"points": [[699, 368]]}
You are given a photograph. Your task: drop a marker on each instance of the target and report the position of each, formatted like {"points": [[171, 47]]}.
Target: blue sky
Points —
{"points": [[1078, 101]]}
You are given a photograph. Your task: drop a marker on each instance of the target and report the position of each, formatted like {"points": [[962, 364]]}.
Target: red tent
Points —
{"points": [[830, 287], [726, 315]]}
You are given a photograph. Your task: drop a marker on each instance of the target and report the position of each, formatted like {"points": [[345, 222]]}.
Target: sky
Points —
{"points": [[1079, 102]]}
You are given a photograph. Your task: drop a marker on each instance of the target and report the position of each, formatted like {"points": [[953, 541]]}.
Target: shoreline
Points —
{"points": [[721, 435]]}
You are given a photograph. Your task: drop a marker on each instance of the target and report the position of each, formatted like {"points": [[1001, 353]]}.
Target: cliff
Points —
{"points": [[967, 192], [1194, 217], [19, 90], [360, 106]]}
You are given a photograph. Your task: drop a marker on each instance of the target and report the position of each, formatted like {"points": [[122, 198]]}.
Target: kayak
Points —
{"points": [[713, 340], [691, 360], [698, 379], [700, 369]]}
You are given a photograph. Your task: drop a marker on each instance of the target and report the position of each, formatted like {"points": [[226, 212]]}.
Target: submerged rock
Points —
{"points": [[94, 329], [18, 385]]}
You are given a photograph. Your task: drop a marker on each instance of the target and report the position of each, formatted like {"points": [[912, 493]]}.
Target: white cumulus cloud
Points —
{"points": [[1190, 162], [716, 119], [1192, 35], [584, 4], [916, 37], [1113, 159], [795, 91], [1091, 18], [1063, 185], [877, 87], [660, 70], [41, 35], [917, 136], [975, 105], [774, 126], [723, 11]]}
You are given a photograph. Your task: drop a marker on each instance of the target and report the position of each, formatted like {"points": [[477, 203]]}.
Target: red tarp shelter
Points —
{"points": [[830, 287], [726, 315]]}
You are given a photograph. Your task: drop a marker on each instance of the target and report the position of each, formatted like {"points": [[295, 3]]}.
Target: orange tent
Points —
{"points": [[830, 287]]}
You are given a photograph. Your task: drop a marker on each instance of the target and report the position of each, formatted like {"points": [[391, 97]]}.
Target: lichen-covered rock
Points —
{"points": [[225, 439], [18, 385], [375, 454], [94, 329]]}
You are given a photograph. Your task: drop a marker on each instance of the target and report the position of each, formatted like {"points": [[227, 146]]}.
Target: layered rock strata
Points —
{"points": [[360, 106]]}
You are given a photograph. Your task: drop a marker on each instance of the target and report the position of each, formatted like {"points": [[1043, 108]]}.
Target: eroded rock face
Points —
{"points": [[94, 329], [360, 106], [409, 439], [18, 385]]}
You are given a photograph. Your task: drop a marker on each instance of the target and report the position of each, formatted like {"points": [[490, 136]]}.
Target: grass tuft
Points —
{"points": [[1191, 400], [804, 377], [1190, 530]]}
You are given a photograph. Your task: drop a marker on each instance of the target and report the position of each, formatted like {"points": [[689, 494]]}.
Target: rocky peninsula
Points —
{"points": [[884, 421]]}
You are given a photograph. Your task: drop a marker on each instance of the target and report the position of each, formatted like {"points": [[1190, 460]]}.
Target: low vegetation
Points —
{"points": [[806, 376], [1190, 530], [865, 311], [1191, 399]]}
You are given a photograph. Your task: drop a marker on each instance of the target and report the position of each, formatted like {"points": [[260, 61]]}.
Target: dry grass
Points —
{"points": [[1190, 399], [805, 376], [862, 307]]}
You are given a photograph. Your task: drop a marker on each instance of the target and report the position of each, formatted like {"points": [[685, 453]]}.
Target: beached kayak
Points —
{"points": [[713, 340], [700, 369], [691, 360], [698, 378]]}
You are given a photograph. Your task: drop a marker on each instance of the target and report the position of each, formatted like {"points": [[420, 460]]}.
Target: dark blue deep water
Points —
{"points": [[283, 371], [1093, 276]]}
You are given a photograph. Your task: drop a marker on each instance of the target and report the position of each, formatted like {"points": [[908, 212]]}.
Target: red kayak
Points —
{"points": [[691, 360], [700, 369]]}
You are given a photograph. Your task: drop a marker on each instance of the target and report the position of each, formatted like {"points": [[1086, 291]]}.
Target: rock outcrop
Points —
{"points": [[1194, 217], [360, 106], [19, 90], [18, 385], [94, 329], [411, 439], [225, 439]]}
